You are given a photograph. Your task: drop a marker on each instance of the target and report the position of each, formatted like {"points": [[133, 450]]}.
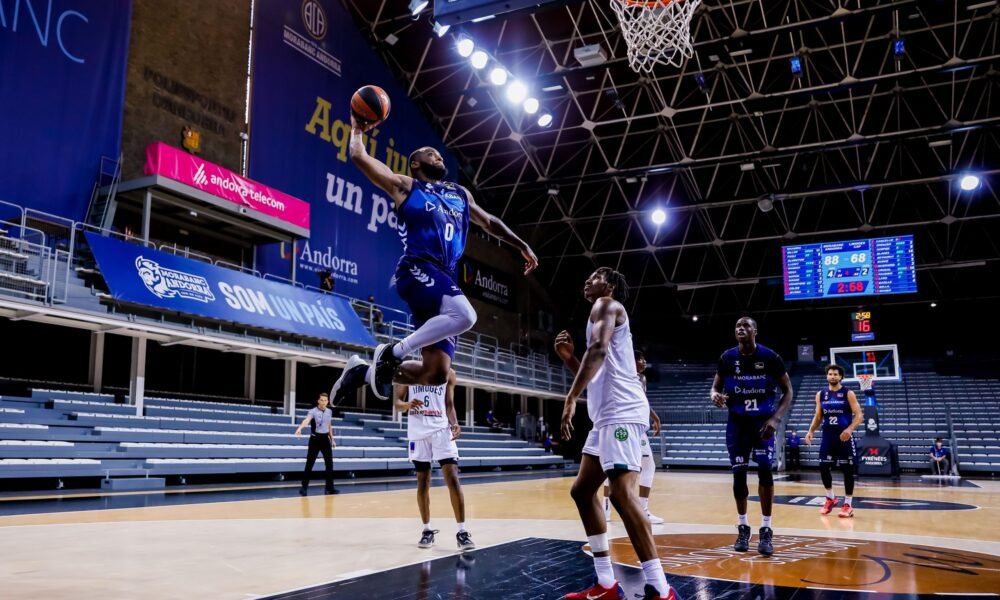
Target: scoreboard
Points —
{"points": [[852, 268]]}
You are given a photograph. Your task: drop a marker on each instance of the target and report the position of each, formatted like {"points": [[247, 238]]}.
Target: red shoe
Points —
{"points": [[650, 593], [615, 592], [828, 506], [846, 512]]}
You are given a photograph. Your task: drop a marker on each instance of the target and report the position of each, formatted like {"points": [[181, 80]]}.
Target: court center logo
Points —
{"points": [[621, 434], [168, 283], [314, 19]]}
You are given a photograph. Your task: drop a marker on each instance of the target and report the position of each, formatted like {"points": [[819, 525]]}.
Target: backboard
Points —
{"points": [[881, 361]]}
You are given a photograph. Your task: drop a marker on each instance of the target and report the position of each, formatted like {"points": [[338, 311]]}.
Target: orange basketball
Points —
{"points": [[370, 104]]}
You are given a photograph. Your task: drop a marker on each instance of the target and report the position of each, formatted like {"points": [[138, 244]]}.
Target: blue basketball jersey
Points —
{"points": [[434, 223], [751, 380], [836, 409]]}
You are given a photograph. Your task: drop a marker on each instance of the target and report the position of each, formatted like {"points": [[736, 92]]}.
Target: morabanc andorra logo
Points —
{"points": [[621, 434]]}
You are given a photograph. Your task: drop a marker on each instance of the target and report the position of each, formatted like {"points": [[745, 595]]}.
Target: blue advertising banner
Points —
{"points": [[141, 275], [62, 92], [309, 58]]}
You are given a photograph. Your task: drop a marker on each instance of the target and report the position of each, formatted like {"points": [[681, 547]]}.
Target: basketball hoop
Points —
{"points": [[657, 32], [865, 381]]}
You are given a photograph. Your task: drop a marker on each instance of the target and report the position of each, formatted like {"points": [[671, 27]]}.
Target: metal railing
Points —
{"points": [[48, 262]]}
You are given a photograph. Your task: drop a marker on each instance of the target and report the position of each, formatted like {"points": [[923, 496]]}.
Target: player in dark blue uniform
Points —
{"points": [[838, 410], [434, 217], [746, 382]]}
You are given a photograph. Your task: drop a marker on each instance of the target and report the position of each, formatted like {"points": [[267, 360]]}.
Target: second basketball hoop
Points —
{"points": [[657, 32]]}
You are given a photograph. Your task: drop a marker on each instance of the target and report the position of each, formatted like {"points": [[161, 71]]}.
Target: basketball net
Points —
{"points": [[656, 33], [865, 381]]}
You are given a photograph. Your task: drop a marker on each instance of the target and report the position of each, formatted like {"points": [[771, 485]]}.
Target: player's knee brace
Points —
{"points": [[421, 467], [848, 479], [740, 489], [648, 472], [826, 475], [764, 476]]}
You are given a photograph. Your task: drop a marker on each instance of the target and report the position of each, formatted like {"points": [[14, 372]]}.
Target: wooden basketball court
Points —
{"points": [[922, 539]]}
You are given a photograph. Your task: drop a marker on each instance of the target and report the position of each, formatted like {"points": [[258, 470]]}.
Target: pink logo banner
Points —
{"points": [[178, 165]]}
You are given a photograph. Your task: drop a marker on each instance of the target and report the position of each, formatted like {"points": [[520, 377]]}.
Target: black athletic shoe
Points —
{"points": [[353, 377], [465, 542], [743, 539], [303, 491], [764, 545], [332, 491], [384, 366], [427, 538], [649, 593]]}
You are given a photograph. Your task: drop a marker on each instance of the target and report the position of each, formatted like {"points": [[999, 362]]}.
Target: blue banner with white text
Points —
{"points": [[141, 275], [62, 93], [309, 58]]}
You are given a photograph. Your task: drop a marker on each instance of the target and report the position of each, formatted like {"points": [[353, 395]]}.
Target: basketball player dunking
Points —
{"points": [[618, 407], [745, 382], [434, 217], [431, 430], [838, 410]]}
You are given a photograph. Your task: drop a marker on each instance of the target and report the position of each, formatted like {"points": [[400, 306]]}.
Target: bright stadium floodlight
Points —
{"points": [[440, 30], [659, 216], [969, 182], [531, 106], [517, 92], [498, 76], [545, 120], [694, 318], [418, 6], [479, 59], [465, 47]]}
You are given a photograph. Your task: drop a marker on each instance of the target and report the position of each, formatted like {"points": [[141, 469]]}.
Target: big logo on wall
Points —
{"points": [[303, 79]]}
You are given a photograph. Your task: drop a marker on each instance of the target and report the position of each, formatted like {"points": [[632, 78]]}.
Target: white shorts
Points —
{"points": [[644, 447], [617, 446], [437, 446]]}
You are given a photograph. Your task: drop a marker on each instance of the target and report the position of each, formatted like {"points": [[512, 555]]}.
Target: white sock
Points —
{"points": [[461, 527], [743, 519], [644, 503], [830, 494], [427, 527], [456, 317], [605, 574], [765, 521], [653, 571], [849, 500]]}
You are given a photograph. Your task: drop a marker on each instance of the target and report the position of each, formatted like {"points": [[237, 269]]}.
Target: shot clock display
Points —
{"points": [[853, 268], [861, 326]]}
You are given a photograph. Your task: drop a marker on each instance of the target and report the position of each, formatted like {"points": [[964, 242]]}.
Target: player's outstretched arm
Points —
{"points": [[783, 406], [817, 419], [449, 405], [566, 351], [397, 186], [718, 393], [305, 422], [494, 226], [856, 412]]}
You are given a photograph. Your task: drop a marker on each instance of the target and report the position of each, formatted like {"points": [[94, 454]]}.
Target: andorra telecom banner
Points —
{"points": [[309, 59]]}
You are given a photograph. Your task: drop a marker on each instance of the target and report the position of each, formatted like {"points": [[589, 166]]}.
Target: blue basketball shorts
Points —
{"points": [[422, 285], [743, 441]]}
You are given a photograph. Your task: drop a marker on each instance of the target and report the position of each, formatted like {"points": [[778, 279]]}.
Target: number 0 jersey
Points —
{"points": [[751, 380], [434, 223]]}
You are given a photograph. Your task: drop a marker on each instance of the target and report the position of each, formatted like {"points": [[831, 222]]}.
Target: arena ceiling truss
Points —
{"points": [[743, 155]]}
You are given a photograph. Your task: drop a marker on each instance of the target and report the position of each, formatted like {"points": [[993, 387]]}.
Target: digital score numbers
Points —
{"points": [[861, 326], [852, 268]]}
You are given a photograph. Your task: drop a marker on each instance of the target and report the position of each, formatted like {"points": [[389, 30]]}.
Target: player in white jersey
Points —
{"points": [[618, 408], [648, 471], [431, 430]]}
